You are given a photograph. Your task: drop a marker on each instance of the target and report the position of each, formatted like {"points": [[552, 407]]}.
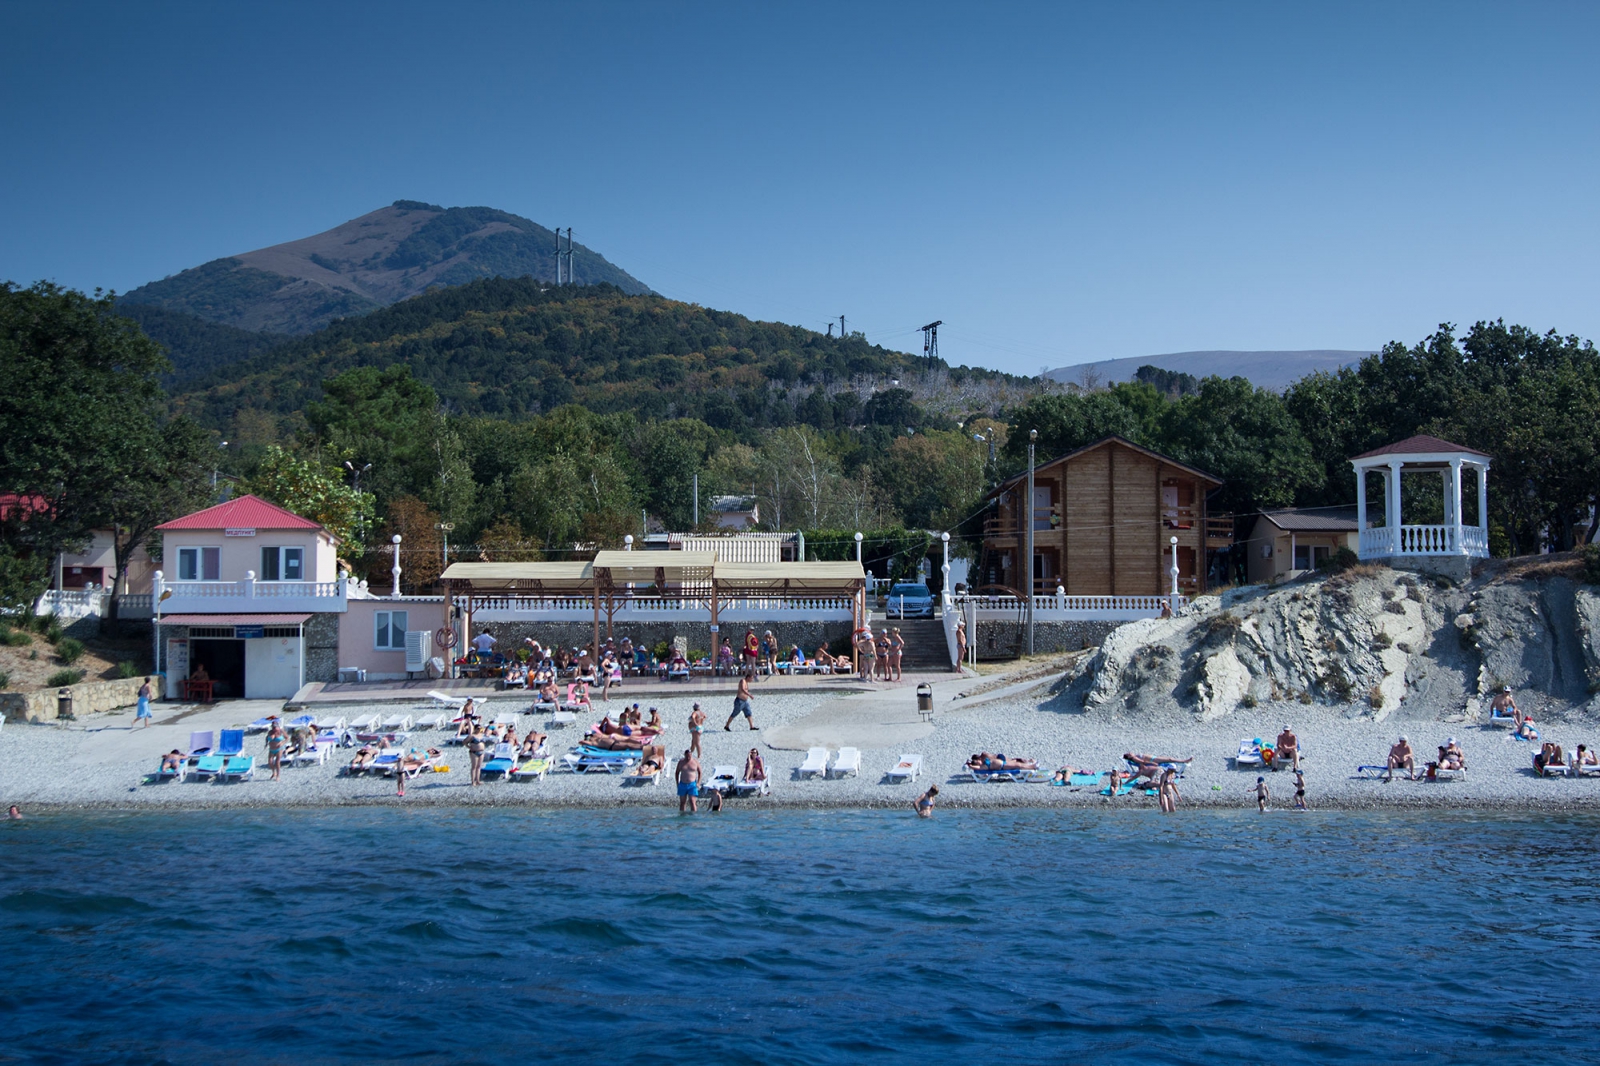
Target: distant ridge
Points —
{"points": [[385, 256], [1267, 370]]}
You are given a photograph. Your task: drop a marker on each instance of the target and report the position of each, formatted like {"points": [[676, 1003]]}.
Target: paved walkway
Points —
{"points": [[886, 717]]}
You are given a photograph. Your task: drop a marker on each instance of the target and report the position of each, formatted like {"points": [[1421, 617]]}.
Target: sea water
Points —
{"points": [[514, 935]]}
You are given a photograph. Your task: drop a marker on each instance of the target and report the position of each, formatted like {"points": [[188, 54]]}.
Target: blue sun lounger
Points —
{"points": [[232, 742], [238, 767], [205, 766]]}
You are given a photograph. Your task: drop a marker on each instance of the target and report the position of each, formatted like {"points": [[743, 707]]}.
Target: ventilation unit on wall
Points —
{"points": [[418, 643]]}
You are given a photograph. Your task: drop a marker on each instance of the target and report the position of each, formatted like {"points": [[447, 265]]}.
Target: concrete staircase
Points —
{"points": [[926, 651]]}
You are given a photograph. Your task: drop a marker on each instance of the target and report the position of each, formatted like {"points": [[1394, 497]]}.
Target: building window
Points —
{"points": [[390, 630], [282, 564], [1310, 556], [199, 564]]}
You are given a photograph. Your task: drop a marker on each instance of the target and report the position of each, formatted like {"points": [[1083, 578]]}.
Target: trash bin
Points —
{"points": [[64, 704], [925, 698]]}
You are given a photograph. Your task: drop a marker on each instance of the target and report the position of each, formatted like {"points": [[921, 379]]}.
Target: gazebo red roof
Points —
{"points": [[1421, 444], [246, 512]]}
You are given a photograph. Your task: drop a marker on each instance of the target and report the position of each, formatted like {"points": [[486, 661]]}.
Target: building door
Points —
{"points": [[1041, 508], [224, 662], [271, 667]]}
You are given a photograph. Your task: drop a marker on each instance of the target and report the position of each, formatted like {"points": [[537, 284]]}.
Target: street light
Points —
{"points": [[1175, 575], [394, 570], [444, 528], [357, 471], [220, 446], [1033, 436]]}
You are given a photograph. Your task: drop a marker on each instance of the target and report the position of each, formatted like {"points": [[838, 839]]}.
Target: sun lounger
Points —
{"points": [[1379, 771], [169, 773], [907, 769], [444, 699], [588, 760], [232, 742], [205, 766], [1248, 756], [532, 768], [1010, 774], [816, 762], [387, 762], [752, 786], [848, 761], [261, 725], [1502, 721], [1552, 770], [397, 723], [201, 744], [436, 720], [238, 767], [722, 778], [561, 719], [317, 753], [334, 724], [1577, 769], [304, 721], [367, 723], [507, 718], [644, 775], [1441, 774]]}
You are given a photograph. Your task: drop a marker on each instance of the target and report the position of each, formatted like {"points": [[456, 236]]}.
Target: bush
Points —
{"points": [[1248, 700], [1591, 563], [1375, 698], [69, 650], [53, 631], [1393, 607], [1340, 561], [127, 668], [5, 680], [1381, 639], [16, 638], [62, 678]]}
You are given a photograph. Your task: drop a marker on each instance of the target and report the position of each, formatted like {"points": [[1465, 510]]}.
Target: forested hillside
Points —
{"points": [[194, 345]]}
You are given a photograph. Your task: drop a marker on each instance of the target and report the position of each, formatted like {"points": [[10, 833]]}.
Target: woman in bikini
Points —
{"points": [[697, 726], [897, 645]]}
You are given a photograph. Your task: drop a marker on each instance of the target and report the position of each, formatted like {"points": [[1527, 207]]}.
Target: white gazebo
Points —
{"points": [[1419, 455]]}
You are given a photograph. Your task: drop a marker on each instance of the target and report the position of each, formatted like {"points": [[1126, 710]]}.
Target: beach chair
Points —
{"points": [[561, 719], [577, 698], [848, 761], [304, 721], [816, 763], [754, 786], [1550, 770], [387, 761], [436, 720], [169, 773], [397, 723], [1577, 769], [590, 760], [205, 766], [1248, 756], [1371, 772], [232, 742], [447, 701], [501, 761], [722, 778], [335, 724], [201, 743], [505, 718], [907, 769], [261, 725], [316, 754], [1441, 774], [532, 769], [1501, 721], [237, 767], [1011, 774], [644, 775], [366, 723]]}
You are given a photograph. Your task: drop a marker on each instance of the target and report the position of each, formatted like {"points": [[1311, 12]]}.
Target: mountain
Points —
{"points": [[370, 262], [1267, 370], [509, 347], [195, 345]]}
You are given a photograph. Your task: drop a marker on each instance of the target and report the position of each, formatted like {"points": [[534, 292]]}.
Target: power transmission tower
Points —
{"points": [[930, 341], [564, 258], [841, 327]]}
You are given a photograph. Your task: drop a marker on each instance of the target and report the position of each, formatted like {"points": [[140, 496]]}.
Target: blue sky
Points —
{"points": [[1058, 182]]}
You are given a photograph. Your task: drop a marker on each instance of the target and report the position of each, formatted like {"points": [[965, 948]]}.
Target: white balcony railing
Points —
{"points": [[1073, 608], [1380, 542], [655, 609], [252, 596]]}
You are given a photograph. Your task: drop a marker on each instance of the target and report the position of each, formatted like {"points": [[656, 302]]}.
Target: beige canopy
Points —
{"points": [[793, 577], [511, 577], [642, 567]]}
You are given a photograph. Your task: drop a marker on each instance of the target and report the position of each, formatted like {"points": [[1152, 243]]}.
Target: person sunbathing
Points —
{"points": [[984, 761], [1141, 758], [610, 742], [1525, 729], [1451, 757], [755, 768], [1064, 775], [412, 763], [1549, 757], [532, 743], [172, 760], [822, 656], [655, 725], [1401, 758], [363, 759], [1585, 757], [510, 736]]}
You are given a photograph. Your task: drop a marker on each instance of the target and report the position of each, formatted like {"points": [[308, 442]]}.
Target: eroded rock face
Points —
{"points": [[1375, 641]]}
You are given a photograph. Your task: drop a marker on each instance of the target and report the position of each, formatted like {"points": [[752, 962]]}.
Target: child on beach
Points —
{"points": [[1300, 790], [1262, 794]]}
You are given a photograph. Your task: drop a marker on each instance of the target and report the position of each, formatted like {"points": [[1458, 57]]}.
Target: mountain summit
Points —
{"points": [[369, 262]]}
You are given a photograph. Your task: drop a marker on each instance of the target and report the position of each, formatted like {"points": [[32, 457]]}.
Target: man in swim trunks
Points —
{"points": [[1401, 758], [1263, 793], [1288, 748], [866, 651], [688, 778], [1504, 705], [741, 705]]}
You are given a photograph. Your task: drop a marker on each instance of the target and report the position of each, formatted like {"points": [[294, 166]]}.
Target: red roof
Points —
{"points": [[246, 512], [25, 507], [233, 619], [1421, 444]]}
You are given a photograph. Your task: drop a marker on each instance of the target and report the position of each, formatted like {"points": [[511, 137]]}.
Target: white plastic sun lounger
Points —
{"points": [[397, 723], [366, 723], [722, 778], [1577, 769], [507, 718], [1248, 755], [444, 699], [906, 769], [1502, 721], [335, 724], [752, 786], [848, 761], [436, 720], [816, 763], [562, 719], [316, 754]]}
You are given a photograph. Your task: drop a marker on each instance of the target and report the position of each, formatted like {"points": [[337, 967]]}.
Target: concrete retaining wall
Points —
{"points": [[808, 635], [321, 634], [88, 697], [1004, 640]]}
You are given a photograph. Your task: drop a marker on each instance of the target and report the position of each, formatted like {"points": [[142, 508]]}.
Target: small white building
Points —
{"points": [[1447, 544]]}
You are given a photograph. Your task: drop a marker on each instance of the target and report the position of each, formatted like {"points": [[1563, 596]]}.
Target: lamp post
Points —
{"points": [[394, 570], [627, 543], [444, 528], [356, 470], [1174, 573], [1027, 510], [220, 446], [945, 569]]}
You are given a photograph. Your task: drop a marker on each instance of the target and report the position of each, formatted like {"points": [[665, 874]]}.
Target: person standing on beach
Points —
{"points": [[275, 742], [961, 644], [1167, 791], [475, 745], [143, 713], [688, 777], [697, 728], [866, 651], [924, 802], [741, 705], [1263, 793], [1300, 790]]}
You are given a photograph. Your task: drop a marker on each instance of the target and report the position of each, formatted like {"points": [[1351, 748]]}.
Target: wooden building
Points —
{"points": [[1103, 518]]}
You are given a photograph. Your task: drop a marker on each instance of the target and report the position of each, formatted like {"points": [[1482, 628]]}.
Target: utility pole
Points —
{"points": [[571, 279], [841, 327], [1027, 510], [558, 256], [445, 528], [930, 341], [697, 500]]}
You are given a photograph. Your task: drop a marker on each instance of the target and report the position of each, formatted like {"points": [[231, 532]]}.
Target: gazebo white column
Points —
{"points": [[1391, 508], [1453, 501]]}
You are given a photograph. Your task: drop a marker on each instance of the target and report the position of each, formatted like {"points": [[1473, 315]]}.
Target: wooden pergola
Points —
{"points": [[613, 580]]}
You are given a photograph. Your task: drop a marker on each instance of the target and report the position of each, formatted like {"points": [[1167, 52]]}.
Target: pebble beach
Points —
{"points": [[104, 762]]}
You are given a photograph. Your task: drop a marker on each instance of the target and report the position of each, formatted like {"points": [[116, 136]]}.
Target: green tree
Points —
{"points": [[1067, 422], [1245, 436], [314, 490], [383, 417]]}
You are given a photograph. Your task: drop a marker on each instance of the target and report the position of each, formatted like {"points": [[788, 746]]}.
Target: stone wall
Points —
{"points": [[1005, 640], [321, 634], [88, 697], [578, 634]]}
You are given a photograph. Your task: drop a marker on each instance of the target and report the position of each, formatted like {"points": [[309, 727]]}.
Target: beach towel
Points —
{"points": [[1123, 791], [1080, 780]]}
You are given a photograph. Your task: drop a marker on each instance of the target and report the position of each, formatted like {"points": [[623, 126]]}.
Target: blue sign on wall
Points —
{"points": [[249, 632]]}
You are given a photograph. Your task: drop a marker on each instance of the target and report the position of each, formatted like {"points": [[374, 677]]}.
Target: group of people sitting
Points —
{"points": [[632, 732], [411, 763], [1401, 757]]}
